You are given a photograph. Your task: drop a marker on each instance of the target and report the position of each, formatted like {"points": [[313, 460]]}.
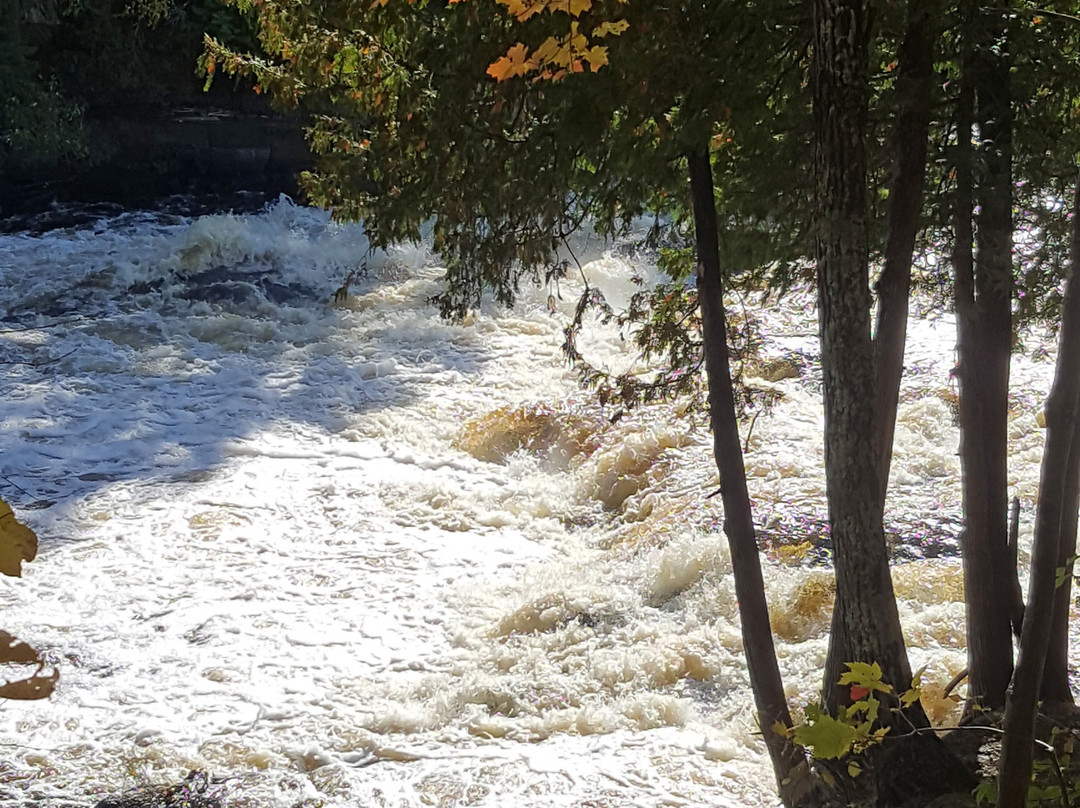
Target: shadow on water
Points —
{"points": [[110, 375]]}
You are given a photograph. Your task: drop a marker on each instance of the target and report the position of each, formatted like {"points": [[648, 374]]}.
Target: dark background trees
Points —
{"points": [[101, 102]]}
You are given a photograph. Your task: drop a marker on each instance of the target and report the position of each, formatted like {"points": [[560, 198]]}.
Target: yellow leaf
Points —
{"points": [[18, 543], [523, 9], [579, 7], [853, 769], [596, 56], [609, 27], [578, 41], [545, 54]]}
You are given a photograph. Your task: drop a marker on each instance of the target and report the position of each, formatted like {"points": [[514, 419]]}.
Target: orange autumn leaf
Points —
{"points": [[514, 63]]}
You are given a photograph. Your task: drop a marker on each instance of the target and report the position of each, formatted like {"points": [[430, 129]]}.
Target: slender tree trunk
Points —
{"points": [[983, 289], [738, 517], [866, 625], [1062, 410], [905, 204], [1055, 681]]}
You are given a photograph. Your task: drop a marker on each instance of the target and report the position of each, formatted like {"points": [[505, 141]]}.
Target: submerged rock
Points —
{"points": [[193, 792]]}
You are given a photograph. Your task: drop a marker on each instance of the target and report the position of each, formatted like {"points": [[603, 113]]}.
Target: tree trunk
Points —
{"points": [[905, 204], [1055, 683], [983, 291], [866, 625], [1062, 409], [738, 517]]}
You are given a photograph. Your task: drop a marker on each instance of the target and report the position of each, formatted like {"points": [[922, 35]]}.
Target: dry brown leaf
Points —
{"points": [[14, 651], [36, 687], [18, 543]]}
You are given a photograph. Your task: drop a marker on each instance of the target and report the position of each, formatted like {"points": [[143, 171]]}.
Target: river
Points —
{"points": [[298, 545]]}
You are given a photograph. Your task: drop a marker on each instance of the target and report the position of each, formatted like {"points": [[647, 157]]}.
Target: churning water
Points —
{"points": [[354, 555]]}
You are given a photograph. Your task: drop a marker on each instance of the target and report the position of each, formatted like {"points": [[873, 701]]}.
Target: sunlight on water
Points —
{"points": [[346, 553]]}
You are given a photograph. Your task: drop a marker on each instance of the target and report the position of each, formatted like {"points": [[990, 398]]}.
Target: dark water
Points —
{"points": [[37, 216]]}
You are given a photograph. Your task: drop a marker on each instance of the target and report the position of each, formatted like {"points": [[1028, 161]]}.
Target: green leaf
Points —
{"points": [[986, 792], [827, 738], [866, 675]]}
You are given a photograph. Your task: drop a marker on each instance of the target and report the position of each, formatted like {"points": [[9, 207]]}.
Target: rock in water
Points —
{"points": [[193, 792]]}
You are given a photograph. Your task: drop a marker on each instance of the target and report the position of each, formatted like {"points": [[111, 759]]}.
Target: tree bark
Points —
{"points": [[914, 85], [866, 624], [1055, 682], [757, 636], [983, 289], [1062, 410]]}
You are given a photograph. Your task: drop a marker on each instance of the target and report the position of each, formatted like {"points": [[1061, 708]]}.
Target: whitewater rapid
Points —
{"points": [[349, 554]]}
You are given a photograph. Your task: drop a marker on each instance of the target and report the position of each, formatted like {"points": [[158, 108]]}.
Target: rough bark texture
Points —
{"points": [[757, 636], [905, 204], [1055, 683], [1062, 409], [866, 626], [983, 298]]}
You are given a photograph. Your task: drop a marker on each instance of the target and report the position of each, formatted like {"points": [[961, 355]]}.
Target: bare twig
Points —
{"points": [[43, 362]]}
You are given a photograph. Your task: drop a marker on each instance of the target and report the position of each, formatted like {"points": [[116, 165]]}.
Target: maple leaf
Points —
{"points": [[514, 63], [859, 692], [614, 28], [18, 543], [866, 675], [546, 52], [14, 651], [915, 692], [578, 40], [596, 56], [579, 7], [521, 9], [826, 738]]}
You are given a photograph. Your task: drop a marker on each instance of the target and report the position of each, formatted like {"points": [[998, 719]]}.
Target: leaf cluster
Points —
{"points": [[858, 726]]}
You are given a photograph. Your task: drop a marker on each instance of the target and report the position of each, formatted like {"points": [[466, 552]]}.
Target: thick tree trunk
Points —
{"points": [[905, 204], [866, 625], [1062, 410], [983, 291], [738, 517]]}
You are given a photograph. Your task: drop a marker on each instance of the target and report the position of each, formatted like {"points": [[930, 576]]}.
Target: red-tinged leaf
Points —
{"points": [[859, 692], [596, 56]]}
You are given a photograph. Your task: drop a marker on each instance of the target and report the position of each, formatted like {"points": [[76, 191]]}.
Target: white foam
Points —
{"points": [[268, 556]]}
